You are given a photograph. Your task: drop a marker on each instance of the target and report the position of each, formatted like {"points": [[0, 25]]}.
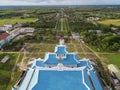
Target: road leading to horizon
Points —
{"points": [[62, 26]]}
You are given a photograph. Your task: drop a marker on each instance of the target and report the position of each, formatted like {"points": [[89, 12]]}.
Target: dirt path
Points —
{"points": [[12, 75]]}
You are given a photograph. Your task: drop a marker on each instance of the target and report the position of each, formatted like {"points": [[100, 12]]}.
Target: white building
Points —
{"points": [[15, 32], [27, 30], [2, 28], [8, 26], [93, 18], [5, 27], [24, 31]]}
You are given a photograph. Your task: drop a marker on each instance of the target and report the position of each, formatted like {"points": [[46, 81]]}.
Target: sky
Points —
{"points": [[59, 2]]}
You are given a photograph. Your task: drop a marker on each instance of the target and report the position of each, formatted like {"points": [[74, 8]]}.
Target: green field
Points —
{"points": [[7, 77], [5, 70], [113, 59], [15, 20], [115, 22]]}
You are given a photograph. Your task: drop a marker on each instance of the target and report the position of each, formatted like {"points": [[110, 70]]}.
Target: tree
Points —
{"points": [[115, 47]]}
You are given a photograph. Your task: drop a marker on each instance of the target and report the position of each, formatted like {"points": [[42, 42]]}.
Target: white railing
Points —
{"points": [[61, 67]]}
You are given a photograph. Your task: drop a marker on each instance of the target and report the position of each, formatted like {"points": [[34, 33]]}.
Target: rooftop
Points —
{"points": [[69, 80], [4, 35], [70, 73], [61, 49], [51, 59]]}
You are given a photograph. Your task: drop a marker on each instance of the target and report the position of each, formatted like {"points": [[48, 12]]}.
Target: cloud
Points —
{"points": [[58, 2]]}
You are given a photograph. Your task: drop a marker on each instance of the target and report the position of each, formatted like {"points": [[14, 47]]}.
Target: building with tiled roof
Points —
{"points": [[5, 37], [60, 70]]}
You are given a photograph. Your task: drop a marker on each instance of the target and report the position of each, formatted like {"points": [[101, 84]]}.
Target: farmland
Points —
{"points": [[115, 22], [15, 20]]}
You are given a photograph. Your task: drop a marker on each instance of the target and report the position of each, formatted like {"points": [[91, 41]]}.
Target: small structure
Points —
{"points": [[2, 28], [93, 18], [27, 30], [62, 41], [97, 31], [5, 59], [114, 70], [76, 36], [115, 30], [5, 27], [8, 25]]}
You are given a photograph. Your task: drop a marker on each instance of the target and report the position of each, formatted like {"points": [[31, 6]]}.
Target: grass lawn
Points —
{"points": [[15, 20], [13, 82], [71, 48], [5, 70], [113, 59], [20, 58], [115, 22]]}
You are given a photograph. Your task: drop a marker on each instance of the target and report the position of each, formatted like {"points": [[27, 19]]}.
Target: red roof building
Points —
{"points": [[3, 36]]}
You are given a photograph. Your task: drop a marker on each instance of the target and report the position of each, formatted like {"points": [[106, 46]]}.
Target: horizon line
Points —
{"points": [[66, 5]]}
